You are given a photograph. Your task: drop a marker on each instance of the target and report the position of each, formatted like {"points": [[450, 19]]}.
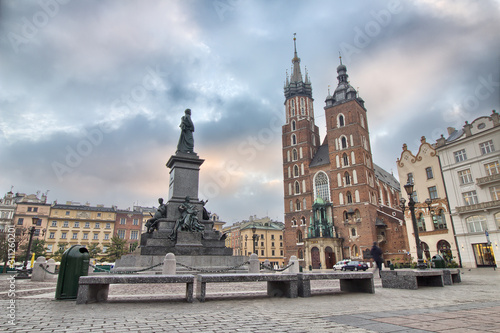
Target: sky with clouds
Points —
{"points": [[92, 92]]}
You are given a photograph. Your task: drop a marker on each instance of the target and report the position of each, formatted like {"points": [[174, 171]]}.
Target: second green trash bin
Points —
{"points": [[74, 263], [438, 262]]}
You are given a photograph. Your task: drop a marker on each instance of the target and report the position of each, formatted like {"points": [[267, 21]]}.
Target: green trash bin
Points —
{"points": [[74, 263], [438, 262]]}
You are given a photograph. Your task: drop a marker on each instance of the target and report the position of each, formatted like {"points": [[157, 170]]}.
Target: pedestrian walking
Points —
{"points": [[376, 253]]}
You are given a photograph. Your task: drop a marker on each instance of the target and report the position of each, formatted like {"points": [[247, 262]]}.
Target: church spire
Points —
{"points": [[296, 74], [296, 85]]}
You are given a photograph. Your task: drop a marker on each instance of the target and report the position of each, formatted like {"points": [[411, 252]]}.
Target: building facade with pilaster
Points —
{"points": [[470, 163]]}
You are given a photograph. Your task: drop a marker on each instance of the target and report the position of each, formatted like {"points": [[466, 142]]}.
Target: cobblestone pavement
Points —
{"points": [[470, 306]]}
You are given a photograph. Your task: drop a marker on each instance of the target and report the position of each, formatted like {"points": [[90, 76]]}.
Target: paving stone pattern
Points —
{"points": [[470, 306]]}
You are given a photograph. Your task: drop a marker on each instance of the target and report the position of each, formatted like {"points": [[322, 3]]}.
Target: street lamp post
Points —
{"points": [[23, 273], [255, 237], [411, 206]]}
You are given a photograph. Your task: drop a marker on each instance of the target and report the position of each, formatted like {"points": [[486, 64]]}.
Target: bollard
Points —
{"points": [[51, 267], [38, 272], [92, 262], [169, 264], [254, 266], [294, 269]]}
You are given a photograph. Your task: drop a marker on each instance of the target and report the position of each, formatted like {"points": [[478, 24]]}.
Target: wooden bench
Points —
{"points": [[95, 288], [277, 284], [349, 282], [412, 279]]}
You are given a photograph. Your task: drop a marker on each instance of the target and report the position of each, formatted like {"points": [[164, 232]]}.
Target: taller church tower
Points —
{"points": [[300, 143]]}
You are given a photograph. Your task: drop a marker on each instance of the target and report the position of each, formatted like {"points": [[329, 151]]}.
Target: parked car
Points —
{"points": [[340, 265], [355, 266]]}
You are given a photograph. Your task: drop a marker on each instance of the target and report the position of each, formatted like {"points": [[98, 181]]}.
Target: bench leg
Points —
{"points": [[189, 292], [92, 293], [304, 288], [357, 285], [447, 277], [282, 288], [391, 279], [201, 291]]}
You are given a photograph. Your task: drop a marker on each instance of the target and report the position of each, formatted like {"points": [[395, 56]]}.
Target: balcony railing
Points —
{"points": [[488, 179], [478, 207]]}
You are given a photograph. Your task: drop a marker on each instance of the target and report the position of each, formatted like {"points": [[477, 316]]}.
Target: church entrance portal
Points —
{"points": [[315, 260], [329, 257]]}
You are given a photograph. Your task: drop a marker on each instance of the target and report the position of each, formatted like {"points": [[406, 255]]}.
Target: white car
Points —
{"points": [[340, 265]]}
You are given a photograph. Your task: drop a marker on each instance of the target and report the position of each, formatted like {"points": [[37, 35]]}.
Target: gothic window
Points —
{"points": [[293, 108], [322, 188], [303, 220], [421, 222], [294, 221], [302, 108], [294, 140], [444, 249], [362, 119], [297, 187], [294, 154], [293, 125], [349, 197], [297, 204], [439, 220], [353, 232], [304, 204], [299, 236], [355, 251], [343, 141], [291, 205], [341, 120], [357, 215], [425, 249], [345, 159], [346, 217], [347, 178], [295, 171], [301, 254]]}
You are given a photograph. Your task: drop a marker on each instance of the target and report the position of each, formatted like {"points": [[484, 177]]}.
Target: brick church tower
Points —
{"points": [[337, 202]]}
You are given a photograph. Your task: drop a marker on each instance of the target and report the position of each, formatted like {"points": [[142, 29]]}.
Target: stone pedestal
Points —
{"points": [[184, 178]]}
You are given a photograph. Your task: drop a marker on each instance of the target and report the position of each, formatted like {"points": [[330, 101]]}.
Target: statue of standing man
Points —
{"points": [[186, 141]]}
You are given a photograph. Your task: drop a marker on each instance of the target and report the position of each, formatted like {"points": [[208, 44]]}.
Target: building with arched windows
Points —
{"points": [[337, 202], [434, 221]]}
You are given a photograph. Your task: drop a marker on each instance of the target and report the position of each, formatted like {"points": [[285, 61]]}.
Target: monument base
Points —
{"points": [[135, 261], [206, 243]]}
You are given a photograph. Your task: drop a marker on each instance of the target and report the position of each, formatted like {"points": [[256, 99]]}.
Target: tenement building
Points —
{"points": [[470, 159], [337, 201]]}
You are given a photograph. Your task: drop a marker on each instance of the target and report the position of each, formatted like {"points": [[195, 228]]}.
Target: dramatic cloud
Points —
{"points": [[92, 91]]}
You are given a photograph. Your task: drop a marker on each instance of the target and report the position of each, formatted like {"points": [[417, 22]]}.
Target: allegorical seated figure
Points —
{"points": [[160, 213], [188, 220]]}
